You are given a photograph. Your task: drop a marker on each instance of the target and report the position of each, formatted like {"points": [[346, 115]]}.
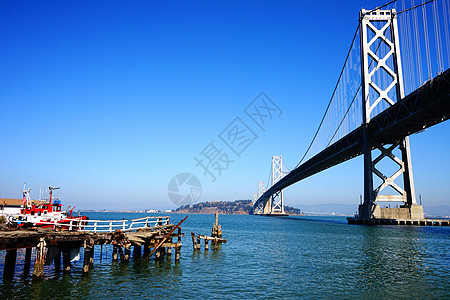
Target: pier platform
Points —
{"points": [[406, 222], [156, 236]]}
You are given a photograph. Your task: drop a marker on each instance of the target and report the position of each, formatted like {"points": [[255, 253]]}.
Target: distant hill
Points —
{"points": [[237, 207], [441, 211]]}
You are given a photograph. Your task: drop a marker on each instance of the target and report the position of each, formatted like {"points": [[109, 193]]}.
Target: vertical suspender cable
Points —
{"points": [[413, 72], [427, 46], [407, 49], [329, 103], [404, 49], [417, 44], [446, 12], [437, 36]]}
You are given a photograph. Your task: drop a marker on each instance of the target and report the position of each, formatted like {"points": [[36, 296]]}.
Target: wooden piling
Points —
{"points": [[120, 250], [127, 253], [158, 254], [38, 272], [177, 249], [115, 253], [10, 264], [137, 251], [91, 257], [27, 262], [146, 249], [66, 261], [206, 245], [57, 261], [198, 242], [194, 242], [217, 229], [177, 254], [179, 235], [87, 258]]}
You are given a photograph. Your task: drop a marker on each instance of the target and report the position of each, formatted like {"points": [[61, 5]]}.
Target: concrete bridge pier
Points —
{"points": [[375, 211], [267, 205]]}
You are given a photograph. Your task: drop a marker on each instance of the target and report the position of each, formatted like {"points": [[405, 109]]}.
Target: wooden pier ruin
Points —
{"points": [[153, 235], [215, 238]]}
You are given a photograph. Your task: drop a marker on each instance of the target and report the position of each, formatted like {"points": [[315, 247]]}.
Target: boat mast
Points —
{"points": [[26, 196], [51, 192]]}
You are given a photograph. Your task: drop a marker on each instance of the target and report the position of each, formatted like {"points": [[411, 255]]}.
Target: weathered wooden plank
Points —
{"points": [[170, 245], [214, 239]]}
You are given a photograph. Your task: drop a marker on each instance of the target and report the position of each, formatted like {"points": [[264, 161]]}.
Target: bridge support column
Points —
{"points": [[267, 209], [382, 86]]}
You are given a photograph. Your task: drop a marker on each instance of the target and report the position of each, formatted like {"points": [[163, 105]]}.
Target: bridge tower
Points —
{"points": [[261, 188], [258, 206], [379, 27], [275, 205]]}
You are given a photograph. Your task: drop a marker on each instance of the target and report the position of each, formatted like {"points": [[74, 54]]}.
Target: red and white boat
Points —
{"points": [[46, 214]]}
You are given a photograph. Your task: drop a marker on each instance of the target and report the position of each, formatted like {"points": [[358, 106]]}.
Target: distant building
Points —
{"points": [[12, 206]]}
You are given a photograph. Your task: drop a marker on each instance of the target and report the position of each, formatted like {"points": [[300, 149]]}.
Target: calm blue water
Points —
{"points": [[266, 257]]}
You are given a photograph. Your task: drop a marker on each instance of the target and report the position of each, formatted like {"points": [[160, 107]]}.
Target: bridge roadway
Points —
{"points": [[423, 108]]}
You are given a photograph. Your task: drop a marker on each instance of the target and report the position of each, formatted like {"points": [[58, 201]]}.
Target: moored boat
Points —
{"points": [[45, 214]]}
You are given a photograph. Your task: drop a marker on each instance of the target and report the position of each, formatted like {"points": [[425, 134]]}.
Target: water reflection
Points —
{"points": [[392, 257]]}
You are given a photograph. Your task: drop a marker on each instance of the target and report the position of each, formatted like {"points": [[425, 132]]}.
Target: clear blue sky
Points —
{"points": [[111, 99]]}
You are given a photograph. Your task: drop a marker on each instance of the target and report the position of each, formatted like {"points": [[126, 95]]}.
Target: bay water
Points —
{"points": [[264, 257]]}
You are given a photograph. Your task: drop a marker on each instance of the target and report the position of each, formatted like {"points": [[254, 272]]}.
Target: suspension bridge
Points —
{"points": [[395, 82]]}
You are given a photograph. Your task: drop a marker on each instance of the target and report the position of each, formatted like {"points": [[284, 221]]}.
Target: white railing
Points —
{"points": [[147, 222], [109, 225]]}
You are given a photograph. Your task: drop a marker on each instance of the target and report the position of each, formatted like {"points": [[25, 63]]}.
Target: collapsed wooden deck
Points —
{"points": [[55, 244]]}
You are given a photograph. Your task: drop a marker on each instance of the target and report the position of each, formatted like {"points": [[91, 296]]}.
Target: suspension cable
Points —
{"points": [[353, 100], [331, 100], [417, 6], [380, 7]]}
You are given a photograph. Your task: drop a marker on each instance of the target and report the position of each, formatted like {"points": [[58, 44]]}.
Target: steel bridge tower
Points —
{"points": [[274, 204], [258, 206], [379, 27]]}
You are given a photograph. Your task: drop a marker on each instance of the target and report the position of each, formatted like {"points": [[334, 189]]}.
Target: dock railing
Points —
{"points": [[123, 225], [148, 222], [109, 225]]}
